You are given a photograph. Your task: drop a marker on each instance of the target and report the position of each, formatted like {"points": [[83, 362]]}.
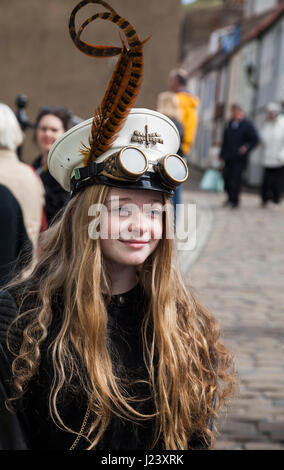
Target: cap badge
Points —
{"points": [[152, 138]]}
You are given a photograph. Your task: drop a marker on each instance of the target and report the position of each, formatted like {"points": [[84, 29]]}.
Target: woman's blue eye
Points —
{"points": [[155, 212], [126, 212], [122, 211]]}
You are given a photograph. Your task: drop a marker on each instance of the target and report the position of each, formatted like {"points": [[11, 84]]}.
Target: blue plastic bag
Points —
{"points": [[212, 180]]}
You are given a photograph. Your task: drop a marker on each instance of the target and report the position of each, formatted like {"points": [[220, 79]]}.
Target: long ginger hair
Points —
{"points": [[190, 371]]}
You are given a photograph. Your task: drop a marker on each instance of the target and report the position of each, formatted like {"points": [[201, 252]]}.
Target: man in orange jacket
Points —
{"points": [[188, 106]]}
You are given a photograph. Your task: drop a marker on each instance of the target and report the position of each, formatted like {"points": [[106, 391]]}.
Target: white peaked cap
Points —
{"points": [[161, 133]]}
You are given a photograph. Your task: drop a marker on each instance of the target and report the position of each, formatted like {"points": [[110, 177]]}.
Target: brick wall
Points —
{"points": [[39, 59]]}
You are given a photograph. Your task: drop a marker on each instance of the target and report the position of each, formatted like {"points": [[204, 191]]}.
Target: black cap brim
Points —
{"points": [[148, 181]]}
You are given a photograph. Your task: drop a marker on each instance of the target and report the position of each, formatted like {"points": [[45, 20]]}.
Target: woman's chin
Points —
{"points": [[133, 260]]}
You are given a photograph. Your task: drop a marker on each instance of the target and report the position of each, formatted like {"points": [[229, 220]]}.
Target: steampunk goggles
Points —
{"points": [[130, 164]]}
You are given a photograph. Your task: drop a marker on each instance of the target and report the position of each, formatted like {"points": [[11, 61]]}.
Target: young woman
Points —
{"points": [[104, 346], [51, 123]]}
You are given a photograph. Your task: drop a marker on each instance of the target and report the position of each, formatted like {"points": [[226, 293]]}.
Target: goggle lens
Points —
{"points": [[133, 160], [176, 168]]}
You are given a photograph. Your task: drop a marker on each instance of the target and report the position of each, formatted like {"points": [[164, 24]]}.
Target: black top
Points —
{"points": [[237, 134], [33, 428], [14, 240], [55, 196]]}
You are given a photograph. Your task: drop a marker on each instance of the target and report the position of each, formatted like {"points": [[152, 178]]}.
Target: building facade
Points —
{"points": [[251, 74]]}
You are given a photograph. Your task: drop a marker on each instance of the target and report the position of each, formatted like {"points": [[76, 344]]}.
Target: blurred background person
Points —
{"points": [[14, 240], [51, 123], [19, 177], [168, 105], [239, 138], [188, 106], [272, 140]]}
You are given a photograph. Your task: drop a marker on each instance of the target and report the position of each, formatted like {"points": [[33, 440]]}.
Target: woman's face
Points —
{"points": [[49, 128], [131, 225]]}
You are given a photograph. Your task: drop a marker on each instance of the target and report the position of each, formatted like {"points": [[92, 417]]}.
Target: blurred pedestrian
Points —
{"points": [[168, 105], [239, 138], [51, 123], [19, 177], [272, 140], [14, 241], [188, 104]]}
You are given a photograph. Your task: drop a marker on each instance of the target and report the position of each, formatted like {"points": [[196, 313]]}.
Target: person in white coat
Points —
{"points": [[20, 178], [272, 139]]}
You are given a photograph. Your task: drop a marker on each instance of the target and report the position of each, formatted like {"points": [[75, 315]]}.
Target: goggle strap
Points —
{"points": [[93, 169]]}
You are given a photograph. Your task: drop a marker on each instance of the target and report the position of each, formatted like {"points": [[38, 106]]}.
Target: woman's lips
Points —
{"points": [[134, 243]]}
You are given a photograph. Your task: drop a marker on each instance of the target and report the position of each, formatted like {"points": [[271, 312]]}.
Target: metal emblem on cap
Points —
{"points": [[152, 138]]}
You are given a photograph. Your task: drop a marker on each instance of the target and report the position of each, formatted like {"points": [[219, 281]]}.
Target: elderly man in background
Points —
{"points": [[239, 138], [272, 140]]}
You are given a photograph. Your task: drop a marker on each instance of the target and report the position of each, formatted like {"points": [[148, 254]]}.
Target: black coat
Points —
{"points": [[32, 427], [235, 136], [14, 241]]}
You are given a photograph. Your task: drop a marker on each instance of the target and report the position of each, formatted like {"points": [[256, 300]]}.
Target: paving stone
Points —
{"points": [[250, 416], [241, 431], [254, 403], [279, 403], [277, 412], [250, 395], [264, 386], [274, 395], [272, 427], [277, 435], [227, 445], [262, 446]]}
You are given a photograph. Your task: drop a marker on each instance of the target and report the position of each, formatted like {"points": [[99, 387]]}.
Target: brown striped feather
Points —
{"points": [[124, 84]]}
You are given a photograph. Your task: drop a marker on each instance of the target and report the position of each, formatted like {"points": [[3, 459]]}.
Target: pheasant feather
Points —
{"points": [[124, 84]]}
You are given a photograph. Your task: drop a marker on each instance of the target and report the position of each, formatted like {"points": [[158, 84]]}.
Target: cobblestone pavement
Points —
{"points": [[238, 273]]}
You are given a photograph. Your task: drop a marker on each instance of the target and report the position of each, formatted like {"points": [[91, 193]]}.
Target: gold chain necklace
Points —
{"points": [[80, 434]]}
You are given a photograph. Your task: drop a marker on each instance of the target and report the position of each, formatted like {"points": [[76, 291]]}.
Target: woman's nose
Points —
{"points": [[49, 132], [139, 223]]}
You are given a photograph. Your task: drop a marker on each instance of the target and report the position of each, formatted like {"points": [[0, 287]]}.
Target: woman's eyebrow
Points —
{"points": [[117, 198], [127, 199], [157, 200]]}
